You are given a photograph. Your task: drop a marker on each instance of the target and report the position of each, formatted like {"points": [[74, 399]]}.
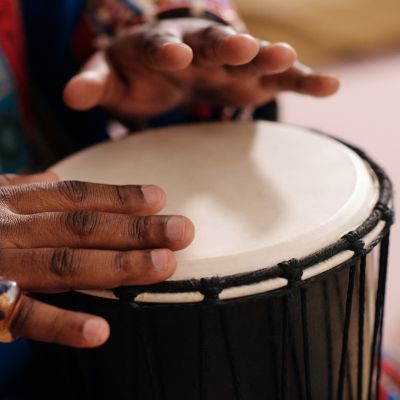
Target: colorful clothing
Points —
{"points": [[13, 101]]}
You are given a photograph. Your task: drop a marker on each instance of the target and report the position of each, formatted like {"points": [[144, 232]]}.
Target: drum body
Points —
{"points": [[302, 320]]}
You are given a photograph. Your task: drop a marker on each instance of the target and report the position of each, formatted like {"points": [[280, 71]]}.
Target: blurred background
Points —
{"points": [[358, 40]]}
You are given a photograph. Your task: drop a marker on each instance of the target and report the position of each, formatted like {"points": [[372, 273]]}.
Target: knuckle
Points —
{"points": [[74, 191], [123, 263], [125, 194], [63, 262], [81, 223], [21, 317], [56, 329], [10, 229], [139, 228]]}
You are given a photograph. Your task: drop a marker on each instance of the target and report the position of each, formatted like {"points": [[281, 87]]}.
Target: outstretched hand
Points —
{"points": [[155, 67]]}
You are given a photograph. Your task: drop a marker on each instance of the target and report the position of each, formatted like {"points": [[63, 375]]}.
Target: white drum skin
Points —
{"points": [[253, 191]]}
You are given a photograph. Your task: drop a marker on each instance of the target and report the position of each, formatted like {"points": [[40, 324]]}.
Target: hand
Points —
{"points": [[156, 67], [60, 236]]}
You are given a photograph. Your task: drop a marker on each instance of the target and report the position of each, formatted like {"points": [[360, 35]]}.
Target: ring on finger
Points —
{"points": [[10, 300]]}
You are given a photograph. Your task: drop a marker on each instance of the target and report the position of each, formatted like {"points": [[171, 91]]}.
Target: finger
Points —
{"points": [[12, 180], [93, 85], [76, 195], [304, 80], [63, 269], [85, 229], [166, 51], [45, 323], [271, 59], [156, 48], [221, 45]]}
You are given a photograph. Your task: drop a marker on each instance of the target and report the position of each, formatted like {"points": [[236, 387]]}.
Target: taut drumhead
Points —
{"points": [[257, 193]]}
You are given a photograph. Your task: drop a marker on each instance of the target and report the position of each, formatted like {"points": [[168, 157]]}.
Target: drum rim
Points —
{"points": [[291, 270]]}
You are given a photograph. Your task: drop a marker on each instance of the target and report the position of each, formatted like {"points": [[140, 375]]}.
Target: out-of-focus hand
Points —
{"points": [[155, 67], [59, 236]]}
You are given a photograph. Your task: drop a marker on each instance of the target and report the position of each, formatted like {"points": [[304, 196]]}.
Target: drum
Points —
{"points": [[281, 294]]}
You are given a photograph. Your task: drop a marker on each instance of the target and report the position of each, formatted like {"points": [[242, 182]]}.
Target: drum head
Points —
{"points": [[257, 193]]}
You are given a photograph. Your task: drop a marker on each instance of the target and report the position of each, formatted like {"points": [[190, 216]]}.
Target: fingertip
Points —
{"points": [[164, 263], [332, 84], [51, 176], [237, 49], [189, 231], [154, 196], [324, 85], [278, 57], [84, 91], [173, 56], [95, 332], [180, 232]]}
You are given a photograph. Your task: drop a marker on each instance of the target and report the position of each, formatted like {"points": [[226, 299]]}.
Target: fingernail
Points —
{"points": [[159, 258], [152, 194], [175, 229], [93, 329]]}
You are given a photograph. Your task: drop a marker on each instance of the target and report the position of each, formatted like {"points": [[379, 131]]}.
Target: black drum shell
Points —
{"points": [[249, 349]]}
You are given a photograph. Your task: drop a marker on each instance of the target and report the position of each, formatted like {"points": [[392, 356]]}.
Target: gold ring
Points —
{"points": [[10, 299]]}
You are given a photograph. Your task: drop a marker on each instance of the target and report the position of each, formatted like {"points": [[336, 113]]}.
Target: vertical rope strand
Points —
{"points": [[203, 366], [149, 356], [343, 358], [285, 345], [306, 342], [378, 321], [275, 355], [328, 335], [383, 264], [229, 350], [361, 317]]}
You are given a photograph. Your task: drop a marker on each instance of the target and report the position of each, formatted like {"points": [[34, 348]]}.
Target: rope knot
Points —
{"points": [[387, 213], [210, 288], [355, 243], [291, 271], [127, 293]]}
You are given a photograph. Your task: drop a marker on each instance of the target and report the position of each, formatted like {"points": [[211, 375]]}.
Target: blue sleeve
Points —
{"points": [[49, 27]]}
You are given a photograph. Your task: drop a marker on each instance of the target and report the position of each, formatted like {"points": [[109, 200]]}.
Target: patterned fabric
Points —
{"points": [[390, 379], [13, 101], [114, 16]]}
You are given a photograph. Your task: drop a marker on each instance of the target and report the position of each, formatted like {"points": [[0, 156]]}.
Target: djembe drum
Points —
{"points": [[280, 296]]}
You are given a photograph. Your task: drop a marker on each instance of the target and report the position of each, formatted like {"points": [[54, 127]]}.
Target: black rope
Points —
{"points": [[378, 321], [274, 350], [285, 345], [203, 357], [383, 264], [343, 358], [341, 310], [151, 363], [294, 354], [361, 318], [306, 343], [328, 334], [229, 352]]}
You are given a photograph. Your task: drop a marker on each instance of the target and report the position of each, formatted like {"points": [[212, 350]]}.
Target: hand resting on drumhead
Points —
{"points": [[155, 67], [58, 236]]}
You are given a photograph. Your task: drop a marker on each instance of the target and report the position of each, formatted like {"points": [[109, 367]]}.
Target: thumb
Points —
{"points": [[10, 180], [87, 89]]}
